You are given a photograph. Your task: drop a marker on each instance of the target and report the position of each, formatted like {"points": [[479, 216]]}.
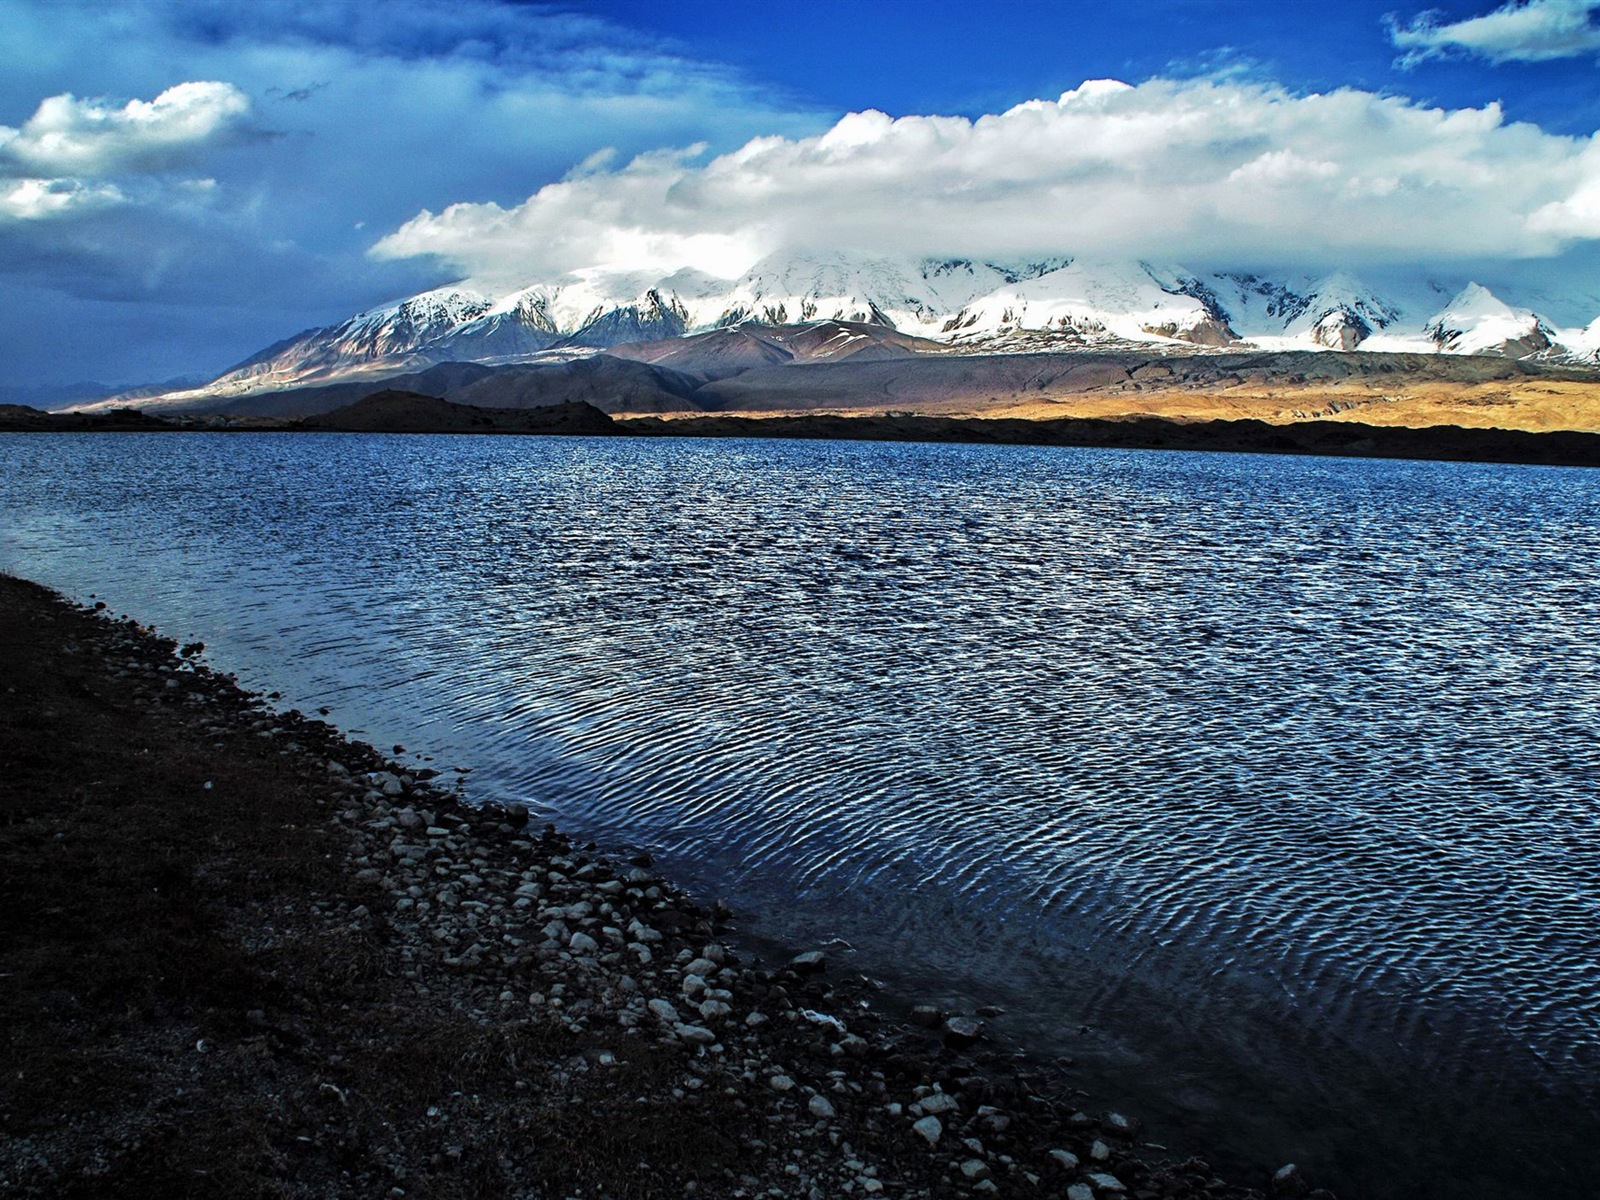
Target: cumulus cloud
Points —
{"points": [[77, 159], [1533, 31], [72, 138], [1199, 171], [35, 199]]}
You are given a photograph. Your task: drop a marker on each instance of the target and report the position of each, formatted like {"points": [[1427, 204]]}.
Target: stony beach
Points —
{"points": [[244, 955]]}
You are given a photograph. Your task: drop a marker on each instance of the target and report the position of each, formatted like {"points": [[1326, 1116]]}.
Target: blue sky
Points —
{"points": [[234, 173], [904, 56]]}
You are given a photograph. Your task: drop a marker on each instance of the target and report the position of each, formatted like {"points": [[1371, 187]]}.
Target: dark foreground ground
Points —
{"points": [[242, 956]]}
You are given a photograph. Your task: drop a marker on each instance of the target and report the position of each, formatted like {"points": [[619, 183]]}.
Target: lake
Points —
{"points": [[1267, 788]]}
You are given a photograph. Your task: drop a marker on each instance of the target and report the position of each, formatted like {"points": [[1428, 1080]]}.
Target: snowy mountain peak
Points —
{"points": [[442, 307], [1477, 321], [1585, 345], [1085, 300]]}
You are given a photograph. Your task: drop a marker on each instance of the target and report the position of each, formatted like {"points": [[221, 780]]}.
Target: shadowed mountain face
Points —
{"points": [[408, 412], [609, 384], [723, 353]]}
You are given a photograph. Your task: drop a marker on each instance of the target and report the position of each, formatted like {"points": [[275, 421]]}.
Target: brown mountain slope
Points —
{"points": [[1385, 389], [724, 353], [609, 383]]}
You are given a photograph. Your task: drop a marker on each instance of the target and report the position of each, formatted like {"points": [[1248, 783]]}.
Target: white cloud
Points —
{"points": [[1577, 216], [35, 199], [72, 138], [1534, 31], [1198, 171], [78, 157]]}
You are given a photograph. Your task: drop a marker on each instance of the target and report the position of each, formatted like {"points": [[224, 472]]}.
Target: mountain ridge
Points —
{"points": [[955, 305], [858, 369]]}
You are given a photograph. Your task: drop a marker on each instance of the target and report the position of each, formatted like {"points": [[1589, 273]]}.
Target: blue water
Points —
{"points": [[1267, 787]]}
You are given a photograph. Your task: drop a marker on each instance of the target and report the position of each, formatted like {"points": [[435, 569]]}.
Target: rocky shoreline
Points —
{"points": [[352, 982]]}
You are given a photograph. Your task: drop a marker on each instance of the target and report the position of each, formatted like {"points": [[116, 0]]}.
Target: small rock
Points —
{"points": [[821, 1107], [664, 1011], [975, 1169], [993, 1119], [781, 1083], [1107, 1183], [938, 1103], [812, 962], [931, 1129], [1287, 1181], [960, 1032], [1067, 1159], [582, 943], [1099, 1151], [928, 1016], [1080, 1191], [697, 1035], [1120, 1126]]}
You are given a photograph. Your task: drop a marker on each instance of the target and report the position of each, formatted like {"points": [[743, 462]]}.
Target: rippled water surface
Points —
{"points": [[1268, 787]]}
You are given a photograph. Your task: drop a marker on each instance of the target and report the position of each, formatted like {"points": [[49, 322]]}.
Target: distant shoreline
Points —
{"points": [[401, 412], [1346, 439]]}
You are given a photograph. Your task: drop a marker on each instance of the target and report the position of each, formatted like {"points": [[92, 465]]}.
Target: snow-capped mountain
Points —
{"points": [[912, 296], [970, 306], [1335, 312], [385, 335], [1585, 345], [1129, 301], [1478, 322]]}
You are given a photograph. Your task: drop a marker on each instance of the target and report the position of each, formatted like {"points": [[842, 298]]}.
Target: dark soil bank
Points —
{"points": [[244, 956], [409, 412]]}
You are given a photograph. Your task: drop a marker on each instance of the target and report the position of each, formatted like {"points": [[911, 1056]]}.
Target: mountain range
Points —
{"points": [[946, 305]]}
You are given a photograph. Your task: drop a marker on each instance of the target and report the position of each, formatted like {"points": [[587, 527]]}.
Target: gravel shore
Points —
{"points": [[245, 955]]}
